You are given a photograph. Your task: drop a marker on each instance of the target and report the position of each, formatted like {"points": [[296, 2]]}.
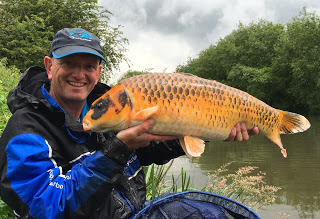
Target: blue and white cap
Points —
{"points": [[70, 41]]}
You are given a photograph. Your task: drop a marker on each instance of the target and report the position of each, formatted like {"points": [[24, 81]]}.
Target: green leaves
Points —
{"points": [[25, 42], [277, 63], [8, 80], [27, 28]]}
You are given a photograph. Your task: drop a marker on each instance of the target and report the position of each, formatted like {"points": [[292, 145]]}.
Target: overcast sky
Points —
{"points": [[163, 33]]}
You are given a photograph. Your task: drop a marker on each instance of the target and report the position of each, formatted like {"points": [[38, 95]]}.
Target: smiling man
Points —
{"points": [[72, 79], [50, 167]]}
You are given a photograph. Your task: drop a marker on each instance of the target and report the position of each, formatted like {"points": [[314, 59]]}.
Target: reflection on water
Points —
{"points": [[298, 175]]}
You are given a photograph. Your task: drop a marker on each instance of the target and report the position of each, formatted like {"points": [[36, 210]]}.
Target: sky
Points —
{"points": [[163, 34]]}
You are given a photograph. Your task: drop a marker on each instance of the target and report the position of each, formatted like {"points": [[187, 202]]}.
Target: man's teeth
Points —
{"points": [[76, 84]]}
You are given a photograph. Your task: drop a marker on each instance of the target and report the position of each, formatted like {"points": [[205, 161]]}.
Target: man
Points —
{"points": [[51, 168]]}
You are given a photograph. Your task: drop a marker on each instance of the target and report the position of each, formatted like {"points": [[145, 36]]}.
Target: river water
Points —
{"points": [[298, 175]]}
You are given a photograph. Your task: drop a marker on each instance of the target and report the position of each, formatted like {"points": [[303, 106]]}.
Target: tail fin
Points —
{"points": [[293, 123], [289, 124]]}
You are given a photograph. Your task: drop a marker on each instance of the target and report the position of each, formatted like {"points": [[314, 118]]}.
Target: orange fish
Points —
{"points": [[188, 106]]}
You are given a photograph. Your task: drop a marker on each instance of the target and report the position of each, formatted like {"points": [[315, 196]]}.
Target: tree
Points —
{"points": [[251, 46], [297, 62], [278, 63], [27, 28]]}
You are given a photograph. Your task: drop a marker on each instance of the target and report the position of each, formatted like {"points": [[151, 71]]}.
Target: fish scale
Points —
{"points": [[188, 106], [192, 95]]}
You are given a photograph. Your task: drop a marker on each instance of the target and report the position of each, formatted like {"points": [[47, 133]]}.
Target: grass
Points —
{"points": [[157, 185]]}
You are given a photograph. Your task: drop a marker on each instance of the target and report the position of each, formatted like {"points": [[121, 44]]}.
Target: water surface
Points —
{"points": [[298, 175]]}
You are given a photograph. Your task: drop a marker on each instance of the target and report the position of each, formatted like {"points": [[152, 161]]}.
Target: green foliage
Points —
{"points": [[297, 63], [185, 182], [5, 211], [27, 28], [8, 80], [276, 63], [155, 180], [251, 46], [156, 183], [258, 81]]}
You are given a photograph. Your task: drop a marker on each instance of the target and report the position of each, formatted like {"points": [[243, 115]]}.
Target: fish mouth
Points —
{"points": [[87, 126]]}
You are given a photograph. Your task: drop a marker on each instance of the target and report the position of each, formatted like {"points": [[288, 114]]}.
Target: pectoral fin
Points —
{"points": [[192, 146], [145, 114]]}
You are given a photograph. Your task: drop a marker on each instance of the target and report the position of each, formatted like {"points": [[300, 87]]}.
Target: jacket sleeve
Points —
{"points": [[40, 183], [159, 152]]}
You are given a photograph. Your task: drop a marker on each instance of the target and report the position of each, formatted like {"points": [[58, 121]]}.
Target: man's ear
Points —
{"points": [[48, 66]]}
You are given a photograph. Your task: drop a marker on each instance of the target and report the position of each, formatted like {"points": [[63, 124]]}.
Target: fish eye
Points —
{"points": [[99, 105]]}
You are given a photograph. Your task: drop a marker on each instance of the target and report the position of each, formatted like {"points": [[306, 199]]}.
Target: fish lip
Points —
{"points": [[88, 127]]}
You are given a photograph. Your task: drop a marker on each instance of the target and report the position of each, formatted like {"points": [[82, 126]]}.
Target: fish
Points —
{"points": [[190, 107]]}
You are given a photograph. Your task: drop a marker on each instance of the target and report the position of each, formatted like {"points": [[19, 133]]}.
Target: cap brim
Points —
{"points": [[69, 50]]}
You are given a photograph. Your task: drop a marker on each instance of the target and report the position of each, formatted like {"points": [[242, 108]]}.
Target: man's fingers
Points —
{"points": [[232, 135], [144, 127], [244, 132], [239, 133], [253, 131]]}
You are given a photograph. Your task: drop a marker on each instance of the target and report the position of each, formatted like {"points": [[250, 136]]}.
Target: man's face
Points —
{"points": [[73, 77]]}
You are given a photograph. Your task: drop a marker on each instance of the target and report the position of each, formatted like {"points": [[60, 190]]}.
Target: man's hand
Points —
{"points": [[239, 132], [137, 136]]}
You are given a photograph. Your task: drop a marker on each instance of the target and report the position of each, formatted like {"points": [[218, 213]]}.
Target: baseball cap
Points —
{"points": [[69, 41]]}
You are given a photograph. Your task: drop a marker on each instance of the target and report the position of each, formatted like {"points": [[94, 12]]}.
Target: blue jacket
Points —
{"points": [[50, 168]]}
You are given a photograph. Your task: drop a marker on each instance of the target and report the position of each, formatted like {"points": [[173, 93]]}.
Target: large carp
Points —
{"points": [[188, 106]]}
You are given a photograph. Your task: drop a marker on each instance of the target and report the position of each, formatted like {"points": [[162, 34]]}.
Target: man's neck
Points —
{"points": [[75, 111], [75, 108]]}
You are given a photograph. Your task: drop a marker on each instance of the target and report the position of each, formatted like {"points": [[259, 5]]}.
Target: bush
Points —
{"points": [[9, 77]]}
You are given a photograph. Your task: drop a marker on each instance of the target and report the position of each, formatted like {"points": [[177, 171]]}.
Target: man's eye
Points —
{"points": [[91, 67]]}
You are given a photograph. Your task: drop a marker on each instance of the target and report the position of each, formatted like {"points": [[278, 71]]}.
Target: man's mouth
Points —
{"points": [[76, 84]]}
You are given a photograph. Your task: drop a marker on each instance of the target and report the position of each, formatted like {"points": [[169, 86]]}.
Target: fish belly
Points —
{"points": [[193, 106]]}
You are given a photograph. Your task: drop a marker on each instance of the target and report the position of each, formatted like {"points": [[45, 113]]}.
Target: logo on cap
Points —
{"points": [[80, 35]]}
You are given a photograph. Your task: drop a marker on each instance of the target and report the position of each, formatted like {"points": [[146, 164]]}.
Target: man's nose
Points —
{"points": [[79, 71]]}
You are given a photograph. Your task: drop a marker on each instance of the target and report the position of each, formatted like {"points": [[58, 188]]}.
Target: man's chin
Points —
{"points": [[76, 99]]}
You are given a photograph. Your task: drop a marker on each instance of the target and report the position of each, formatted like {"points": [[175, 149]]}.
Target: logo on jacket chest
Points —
{"points": [[133, 167]]}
